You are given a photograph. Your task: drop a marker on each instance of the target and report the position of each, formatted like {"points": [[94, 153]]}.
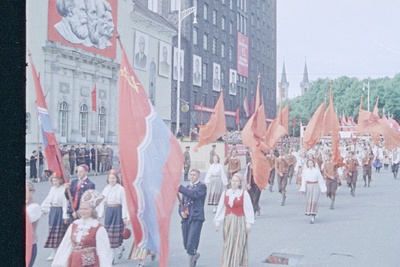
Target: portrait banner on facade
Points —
{"points": [[89, 25]]}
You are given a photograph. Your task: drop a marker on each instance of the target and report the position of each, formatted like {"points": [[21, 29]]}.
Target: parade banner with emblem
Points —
{"points": [[151, 164]]}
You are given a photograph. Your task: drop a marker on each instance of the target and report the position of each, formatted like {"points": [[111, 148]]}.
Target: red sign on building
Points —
{"points": [[88, 25], [242, 55]]}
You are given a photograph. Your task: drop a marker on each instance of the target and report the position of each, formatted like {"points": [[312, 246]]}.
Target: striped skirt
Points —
{"points": [[235, 242], [57, 228], [215, 188], [312, 197], [114, 225]]}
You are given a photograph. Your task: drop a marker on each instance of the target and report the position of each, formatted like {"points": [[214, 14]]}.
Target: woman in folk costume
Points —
{"points": [[34, 214], [114, 210], [215, 180], [236, 212], [312, 185], [57, 205], [86, 241]]}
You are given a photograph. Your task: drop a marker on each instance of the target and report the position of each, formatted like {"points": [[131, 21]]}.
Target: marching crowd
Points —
{"points": [[77, 238]]}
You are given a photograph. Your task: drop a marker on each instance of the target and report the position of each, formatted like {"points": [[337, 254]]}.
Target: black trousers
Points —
{"points": [[191, 231], [255, 194]]}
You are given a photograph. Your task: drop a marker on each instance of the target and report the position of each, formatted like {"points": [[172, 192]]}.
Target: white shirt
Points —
{"points": [[216, 169], [57, 198], [103, 247], [312, 175], [113, 195]]}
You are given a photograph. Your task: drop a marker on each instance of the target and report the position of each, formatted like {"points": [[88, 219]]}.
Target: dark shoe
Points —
{"points": [[153, 257], [195, 258], [270, 189]]}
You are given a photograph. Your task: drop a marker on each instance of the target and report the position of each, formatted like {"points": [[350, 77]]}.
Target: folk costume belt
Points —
{"points": [[316, 182]]}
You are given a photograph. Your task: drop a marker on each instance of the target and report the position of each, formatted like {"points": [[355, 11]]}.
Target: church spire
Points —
{"points": [[305, 74], [283, 79]]}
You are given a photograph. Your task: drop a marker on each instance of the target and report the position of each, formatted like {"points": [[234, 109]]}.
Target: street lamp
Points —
{"points": [[366, 85], [181, 16]]}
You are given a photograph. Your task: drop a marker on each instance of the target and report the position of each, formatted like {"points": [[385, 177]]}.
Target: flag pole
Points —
{"points": [[38, 153]]}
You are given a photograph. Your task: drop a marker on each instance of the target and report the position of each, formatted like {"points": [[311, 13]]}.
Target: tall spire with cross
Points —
{"points": [[305, 84], [284, 85]]}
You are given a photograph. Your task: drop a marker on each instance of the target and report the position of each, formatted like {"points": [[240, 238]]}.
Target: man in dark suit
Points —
{"points": [[93, 157], [87, 156], [192, 213], [72, 159], [77, 188]]}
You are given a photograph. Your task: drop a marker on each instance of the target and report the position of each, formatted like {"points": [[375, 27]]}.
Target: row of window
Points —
{"points": [[63, 120]]}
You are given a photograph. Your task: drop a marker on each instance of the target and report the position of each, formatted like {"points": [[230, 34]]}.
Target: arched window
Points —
{"points": [[63, 120], [83, 120], [28, 122], [102, 121]]}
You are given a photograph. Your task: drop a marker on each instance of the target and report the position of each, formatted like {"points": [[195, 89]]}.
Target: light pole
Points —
{"points": [[181, 16], [366, 85]]}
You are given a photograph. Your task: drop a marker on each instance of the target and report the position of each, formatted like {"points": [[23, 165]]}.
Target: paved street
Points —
{"points": [[360, 231]]}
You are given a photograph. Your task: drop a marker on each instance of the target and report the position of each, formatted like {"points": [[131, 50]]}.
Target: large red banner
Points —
{"points": [[89, 25], [242, 55]]}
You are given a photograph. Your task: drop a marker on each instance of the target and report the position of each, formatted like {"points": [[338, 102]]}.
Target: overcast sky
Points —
{"points": [[356, 38]]}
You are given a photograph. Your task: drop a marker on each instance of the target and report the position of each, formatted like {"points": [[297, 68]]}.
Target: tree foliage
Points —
{"points": [[347, 93]]}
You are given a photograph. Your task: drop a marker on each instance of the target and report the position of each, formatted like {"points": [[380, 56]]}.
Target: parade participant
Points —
{"points": [[395, 161], [87, 155], [65, 157], [300, 165], [56, 204], [215, 180], [312, 185], [33, 212], [32, 166], [236, 212], [72, 159], [233, 163], [140, 254], [367, 166], [41, 164], [86, 241], [93, 157], [212, 153], [253, 189], [271, 157], [352, 172], [330, 173], [282, 168], [77, 188], [192, 214], [186, 164], [103, 158], [291, 160], [386, 159], [110, 157], [115, 211]]}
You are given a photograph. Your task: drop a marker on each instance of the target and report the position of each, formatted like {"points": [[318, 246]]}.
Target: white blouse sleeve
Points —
{"points": [[64, 250], [45, 207], [64, 202], [125, 213], [208, 174], [321, 182], [103, 248], [34, 212], [304, 175], [248, 209], [224, 179], [220, 214]]}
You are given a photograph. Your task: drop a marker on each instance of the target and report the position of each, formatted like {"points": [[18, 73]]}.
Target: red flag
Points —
{"points": [[313, 131], [285, 118], [94, 98], [28, 240], [331, 125], [215, 127], [246, 106], [52, 152], [151, 164], [237, 117], [247, 132], [371, 123]]}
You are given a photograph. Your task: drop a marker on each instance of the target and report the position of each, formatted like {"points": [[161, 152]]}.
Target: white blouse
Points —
{"points": [[247, 206], [312, 175], [103, 248], [113, 195], [56, 198], [216, 169]]}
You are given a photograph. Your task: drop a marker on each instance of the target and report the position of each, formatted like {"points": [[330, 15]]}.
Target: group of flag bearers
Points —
{"points": [[91, 242]]}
